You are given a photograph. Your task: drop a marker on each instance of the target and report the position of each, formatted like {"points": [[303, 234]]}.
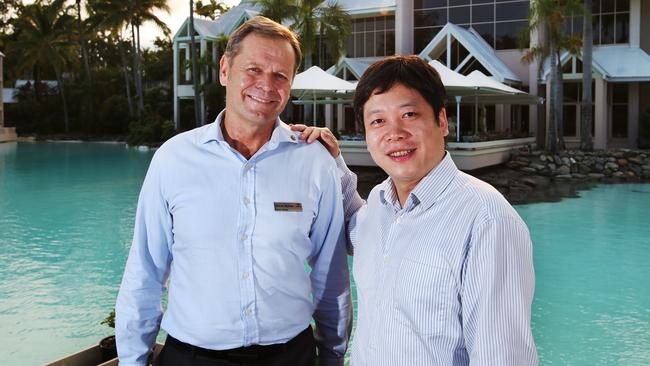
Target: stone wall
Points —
{"points": [[620, 164]]}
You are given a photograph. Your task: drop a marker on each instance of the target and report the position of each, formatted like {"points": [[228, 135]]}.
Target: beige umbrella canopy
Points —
{"points": [[316, 83]]}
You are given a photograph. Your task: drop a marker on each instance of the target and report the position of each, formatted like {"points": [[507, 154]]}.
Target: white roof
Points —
{"points": [[354, 7], [315, 81], [50, 83], [225, 24], [357, 66], [615, 63], [476, 46], [504, 94], [451, 79]]}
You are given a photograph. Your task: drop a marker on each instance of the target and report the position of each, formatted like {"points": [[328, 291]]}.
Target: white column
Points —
{"points": [[635, 23], [404, 27], [203, 72], [188, 71], [329, 123], [175, 72], [633, 115], [501, 117], [340, 117], [600, 116]]}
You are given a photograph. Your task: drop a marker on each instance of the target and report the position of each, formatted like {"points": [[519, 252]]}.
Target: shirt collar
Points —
{"points": [[427, 192], [281, 132]]}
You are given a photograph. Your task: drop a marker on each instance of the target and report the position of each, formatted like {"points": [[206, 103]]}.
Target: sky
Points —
{"points": [[180, 10]]}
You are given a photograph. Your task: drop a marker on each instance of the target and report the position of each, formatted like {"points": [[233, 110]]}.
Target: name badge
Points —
{"points": [[288, 206]]}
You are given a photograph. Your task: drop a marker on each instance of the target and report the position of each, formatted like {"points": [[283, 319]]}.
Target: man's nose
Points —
{"points": [[396, 132], [265, 82]]}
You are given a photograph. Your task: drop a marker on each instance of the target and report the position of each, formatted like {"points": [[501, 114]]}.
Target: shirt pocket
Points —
{"points": [[422, 296]]}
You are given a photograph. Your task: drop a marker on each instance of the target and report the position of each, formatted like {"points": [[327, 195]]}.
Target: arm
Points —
{"points": [[330, 276], [352, 202], [138, 308], [497, 293]]}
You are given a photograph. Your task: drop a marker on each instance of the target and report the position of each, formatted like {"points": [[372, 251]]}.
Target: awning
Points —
{"points": [[615, 63]]}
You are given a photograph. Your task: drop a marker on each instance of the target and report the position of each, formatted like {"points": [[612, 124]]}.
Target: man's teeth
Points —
{"points": [[399, 154], [259, 100]]}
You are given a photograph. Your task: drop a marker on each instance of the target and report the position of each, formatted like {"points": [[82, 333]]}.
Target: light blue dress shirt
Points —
{"points": [[445, 280], [232, 238]]}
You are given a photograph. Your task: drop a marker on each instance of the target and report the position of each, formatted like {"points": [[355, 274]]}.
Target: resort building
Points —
{"points": [[469, 35]]}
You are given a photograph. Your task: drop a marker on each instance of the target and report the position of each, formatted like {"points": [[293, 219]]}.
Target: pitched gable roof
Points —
{"points": [[477, 48]]}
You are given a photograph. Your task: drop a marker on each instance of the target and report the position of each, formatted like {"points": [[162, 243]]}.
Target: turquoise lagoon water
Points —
{"points": [[66, 215]]}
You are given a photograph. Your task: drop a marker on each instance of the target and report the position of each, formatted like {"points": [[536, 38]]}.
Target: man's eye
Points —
{"points": [[410, 114], [376, 121], [253, 69], [281, 76]]}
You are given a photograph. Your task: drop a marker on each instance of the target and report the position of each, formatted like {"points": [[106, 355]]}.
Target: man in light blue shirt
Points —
{"points": [[443, 264], [228, 217]]}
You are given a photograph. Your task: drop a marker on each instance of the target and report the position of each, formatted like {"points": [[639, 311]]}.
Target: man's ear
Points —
{"points": [[223, 70], [442, 121]]}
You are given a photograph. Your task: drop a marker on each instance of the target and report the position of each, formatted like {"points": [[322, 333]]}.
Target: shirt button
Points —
{"points": [[246, 275], [248, 311], [244, 237], [246, 200]]}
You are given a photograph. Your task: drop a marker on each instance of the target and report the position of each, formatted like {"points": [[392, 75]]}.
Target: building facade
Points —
{"points": [[468, 35]]}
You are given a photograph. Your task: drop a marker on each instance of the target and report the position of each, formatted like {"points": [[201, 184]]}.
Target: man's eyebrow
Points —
{"points": [[410, 103]]}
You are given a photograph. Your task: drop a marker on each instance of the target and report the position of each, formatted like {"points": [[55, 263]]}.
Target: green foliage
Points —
{"points": [[110, 319], [151, 129], [35, 116], [215, 100], [211, 10]]}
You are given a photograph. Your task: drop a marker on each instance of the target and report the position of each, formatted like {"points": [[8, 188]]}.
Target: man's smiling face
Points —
{"points": [[258, 79], [403, 136]]}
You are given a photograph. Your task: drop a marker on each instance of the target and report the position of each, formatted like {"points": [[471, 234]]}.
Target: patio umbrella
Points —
{"points": [[315, 82]]}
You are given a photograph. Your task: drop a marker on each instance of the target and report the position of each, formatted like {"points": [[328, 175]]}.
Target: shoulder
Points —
{"points": [[487, 200], [178, 143]]}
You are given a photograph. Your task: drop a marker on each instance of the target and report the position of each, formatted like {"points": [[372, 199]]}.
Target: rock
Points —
{"points": [[618, 174], [635, 160], [598, 167], [611, 159], [646, 167], [512, 165], [646, 174], [552, 167], [542, 158], [536, 153], [528, 170], [522, 159], [579, 176], [564, 170], [611, 166], [529, 182], [566, 161], [563, 176], [607, 172], [618, 154], [537, 167], [572, 161], [502, 182], [630, 174], [622, 162], [596, 175], [557, 160], [583, 169]]}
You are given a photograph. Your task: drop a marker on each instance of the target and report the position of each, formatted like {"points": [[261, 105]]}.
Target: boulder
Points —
{"points": [[611, 166], [596, 175], [537, 167], [564, 170], [542, 158], [528, 170], [563, 176], [622, 162]]}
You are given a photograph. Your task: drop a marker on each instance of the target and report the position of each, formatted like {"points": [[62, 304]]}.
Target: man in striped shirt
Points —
{"points": [[442, 262]]}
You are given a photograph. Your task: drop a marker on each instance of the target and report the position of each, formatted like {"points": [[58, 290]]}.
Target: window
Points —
{"points": [[372, 37], [610, 21], [497, 21]]}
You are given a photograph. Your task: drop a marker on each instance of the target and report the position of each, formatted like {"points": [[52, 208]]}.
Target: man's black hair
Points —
{"points": [[410, 71]]}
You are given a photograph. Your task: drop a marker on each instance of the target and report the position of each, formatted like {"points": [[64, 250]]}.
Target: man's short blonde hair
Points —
{"points": [[265, 27]]}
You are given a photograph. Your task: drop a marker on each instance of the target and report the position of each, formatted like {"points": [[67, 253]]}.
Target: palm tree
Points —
{"points": [[44, 39], [309, 20], [586, 142], [195, 75], [212, 10], [548, 17], [142, 11], [113, 16]]}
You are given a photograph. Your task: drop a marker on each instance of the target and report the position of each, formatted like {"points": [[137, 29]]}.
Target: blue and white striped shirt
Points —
{"points": [[233, 236], [446, 280]]}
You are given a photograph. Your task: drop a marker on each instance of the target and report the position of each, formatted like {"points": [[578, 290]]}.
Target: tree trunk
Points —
{"points": [[125, 69], [195, 75], [66, 118], [82, 45], [559, 119], [37, 80], [551, 137], [136, 69], [586, 115], [140, 86]]}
